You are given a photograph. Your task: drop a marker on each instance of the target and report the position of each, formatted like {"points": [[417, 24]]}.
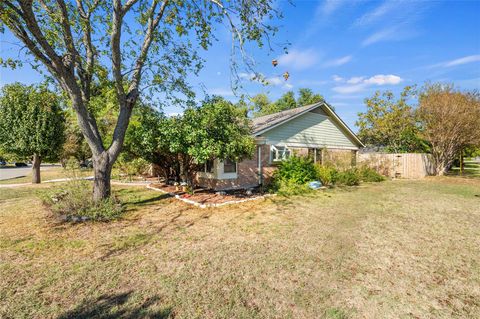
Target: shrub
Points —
{"points": [[130, 168], [368, 174], [326, 174], [289, 188], [73, 200], [298, 170], [349, 177]]}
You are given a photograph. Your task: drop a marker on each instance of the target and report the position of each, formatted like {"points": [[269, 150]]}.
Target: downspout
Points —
{"points": [[259, 141], [260, 168]]}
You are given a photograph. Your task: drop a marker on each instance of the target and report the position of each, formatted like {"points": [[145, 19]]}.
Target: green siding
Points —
{"points": [[310, 130]]}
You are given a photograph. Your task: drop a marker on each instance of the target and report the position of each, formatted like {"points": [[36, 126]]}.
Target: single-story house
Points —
{"points": [[314, 130]]}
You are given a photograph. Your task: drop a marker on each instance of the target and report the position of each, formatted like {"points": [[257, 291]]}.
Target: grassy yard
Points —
{"points": [[48, 174], [471, 169], [59, 172], [398, 249]]}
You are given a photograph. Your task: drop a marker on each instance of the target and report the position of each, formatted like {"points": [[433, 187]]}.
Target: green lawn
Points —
{"points": [[398, 249], [48, 174], [471, 169]]}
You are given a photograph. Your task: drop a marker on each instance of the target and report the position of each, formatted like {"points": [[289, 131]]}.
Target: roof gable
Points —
{"points": [[265, 123]]}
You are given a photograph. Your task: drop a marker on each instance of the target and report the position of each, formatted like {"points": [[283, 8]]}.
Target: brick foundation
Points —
{"points": [[247, 170]]}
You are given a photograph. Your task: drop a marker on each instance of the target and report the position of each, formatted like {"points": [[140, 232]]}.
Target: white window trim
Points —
{"points": [[205, 174], [221, 172], [275, 149]]}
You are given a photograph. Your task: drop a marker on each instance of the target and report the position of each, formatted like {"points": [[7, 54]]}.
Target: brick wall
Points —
{"points": [[247, 170], [339, 157], [247, 173]]}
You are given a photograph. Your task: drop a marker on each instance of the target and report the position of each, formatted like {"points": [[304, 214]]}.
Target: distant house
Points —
{"points": [[313, 130]]}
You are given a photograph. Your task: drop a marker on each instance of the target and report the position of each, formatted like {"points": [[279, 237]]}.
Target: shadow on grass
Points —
{"points": [[116, 306], [124, 243], [149, 200]]}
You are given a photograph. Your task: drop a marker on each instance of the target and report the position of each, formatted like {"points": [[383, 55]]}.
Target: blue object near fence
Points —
{"points": [[315, 185]]}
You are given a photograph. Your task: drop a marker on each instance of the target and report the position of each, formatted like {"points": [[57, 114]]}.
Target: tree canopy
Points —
{"points": [[138, 45], [215, 129], [391, 123], [450, 122], [261, 105], [31, 124]]}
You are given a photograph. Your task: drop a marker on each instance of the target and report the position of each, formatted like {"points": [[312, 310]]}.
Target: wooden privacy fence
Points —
{"points": [[400, 165]]}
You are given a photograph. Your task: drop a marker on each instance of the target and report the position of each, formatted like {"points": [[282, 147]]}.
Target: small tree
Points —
{"points": [[261, 105], [31, 124], [451, 122], [149, 137], [216, 129], [390, 123], [307, 97]]}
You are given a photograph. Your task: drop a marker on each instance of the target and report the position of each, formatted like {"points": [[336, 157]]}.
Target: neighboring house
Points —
{"points": [[314, 130]]}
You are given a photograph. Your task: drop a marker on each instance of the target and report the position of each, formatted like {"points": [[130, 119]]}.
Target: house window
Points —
{"points": [[315, 154], [209, 166], [229, 166], [206, 167], [279, 153]]}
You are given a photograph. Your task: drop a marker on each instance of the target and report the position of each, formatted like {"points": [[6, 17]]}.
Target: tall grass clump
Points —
{"points": [[73, 200]]}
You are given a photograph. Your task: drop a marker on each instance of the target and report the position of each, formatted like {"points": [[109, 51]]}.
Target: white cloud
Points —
{"points": [[383, 35], [347, 97], [394, 20], [381, 79], [276, 80], [279, 81], [298, 59], [338, 62], [464, 60], [337, 78], [355, 79], [329, 6], [260, 78], [349, 89], [361, 83], [379, 12], [309, 83], [246, 76], [221, 92]]}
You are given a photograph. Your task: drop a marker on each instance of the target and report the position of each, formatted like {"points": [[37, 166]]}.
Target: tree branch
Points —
{"points": [[153, 22], [117, 20], [28, 16], [130, 99]]}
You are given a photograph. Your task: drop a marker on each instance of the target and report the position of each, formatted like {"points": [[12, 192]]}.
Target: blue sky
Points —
{"points": [[346, 50]]}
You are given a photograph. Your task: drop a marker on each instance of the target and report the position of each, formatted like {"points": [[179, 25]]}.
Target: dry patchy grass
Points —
{"points": [[401, 249]]}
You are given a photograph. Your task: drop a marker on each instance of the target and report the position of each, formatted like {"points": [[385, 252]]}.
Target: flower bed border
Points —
{"points": [[195, 203]]}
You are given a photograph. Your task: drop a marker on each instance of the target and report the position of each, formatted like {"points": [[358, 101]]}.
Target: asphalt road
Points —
{"points": [[13, 172]]}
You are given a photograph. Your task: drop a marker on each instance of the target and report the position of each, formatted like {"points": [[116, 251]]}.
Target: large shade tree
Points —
{"points": [[136, 44], [450, 122], [31, 124]]}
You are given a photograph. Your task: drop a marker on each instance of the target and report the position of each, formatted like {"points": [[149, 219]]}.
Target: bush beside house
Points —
{"points": [[294, 174]]}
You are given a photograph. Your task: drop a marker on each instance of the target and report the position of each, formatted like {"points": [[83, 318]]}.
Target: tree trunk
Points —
{"points": [[461, 162], [37, 159], [102, 167]]}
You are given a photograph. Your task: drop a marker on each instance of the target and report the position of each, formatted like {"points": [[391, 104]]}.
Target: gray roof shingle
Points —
{"points": [[263, 122]]}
